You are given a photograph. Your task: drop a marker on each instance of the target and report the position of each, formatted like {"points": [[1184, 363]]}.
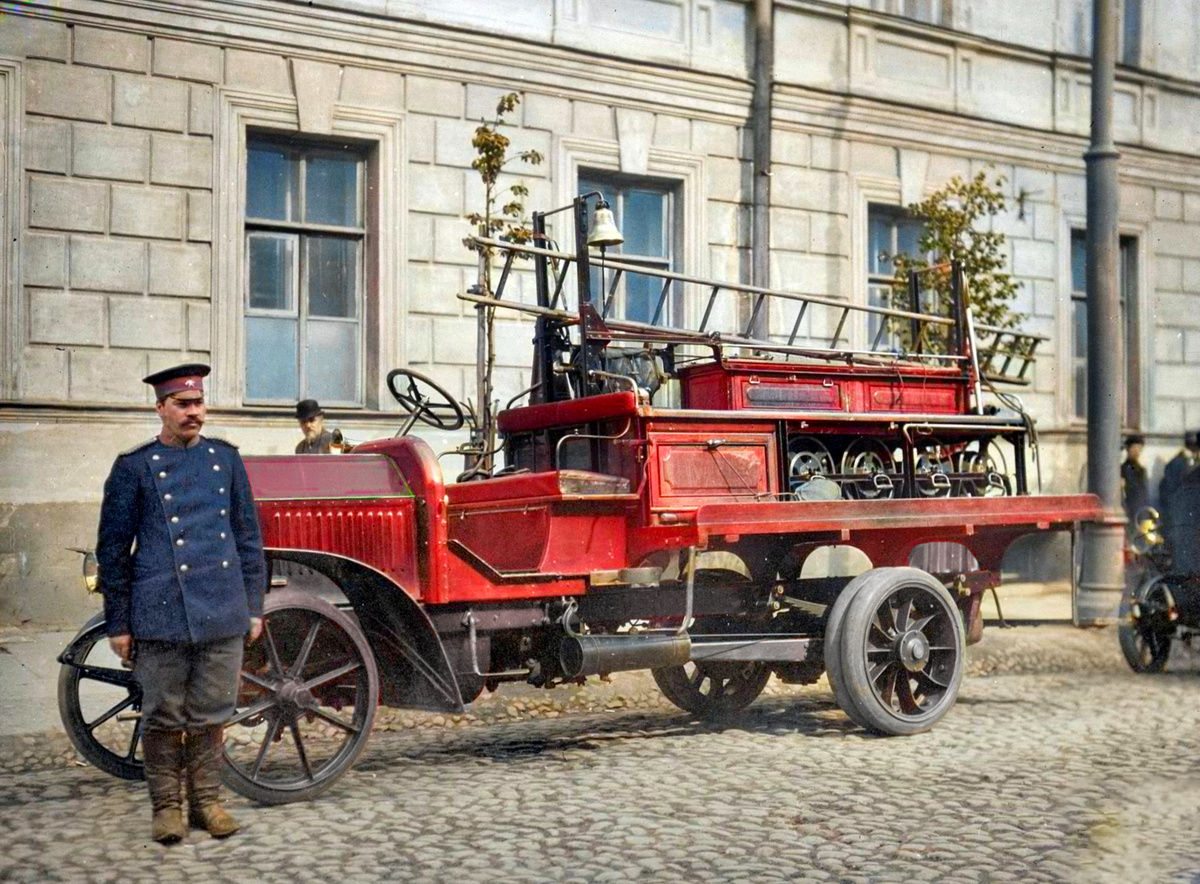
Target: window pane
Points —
{"points": [[271, 358], [641, 297], [908, 236], [332, 276], [271, 262], [331, 190], [879, 244], [1131, 33], [1078, 261], [331, 361], [643, 223], [1079, 328], [272, 178]]}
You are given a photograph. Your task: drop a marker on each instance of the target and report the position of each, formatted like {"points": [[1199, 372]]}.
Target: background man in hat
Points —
{"points": [[183, 576], [1173, 503], [317, 439], [1134, 489]]}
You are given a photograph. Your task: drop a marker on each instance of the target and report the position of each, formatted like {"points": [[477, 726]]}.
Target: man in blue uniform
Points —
{"points": [[183, 576]]}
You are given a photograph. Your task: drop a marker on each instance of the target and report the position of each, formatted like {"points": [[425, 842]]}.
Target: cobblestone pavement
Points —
{"points": [[1057, 764]]}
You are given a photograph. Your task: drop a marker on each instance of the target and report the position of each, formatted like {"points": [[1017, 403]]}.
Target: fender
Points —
{"points": [[413, 665]]}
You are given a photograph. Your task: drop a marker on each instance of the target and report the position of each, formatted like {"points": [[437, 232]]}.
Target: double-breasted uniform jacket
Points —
{"points": [[179, 547]]}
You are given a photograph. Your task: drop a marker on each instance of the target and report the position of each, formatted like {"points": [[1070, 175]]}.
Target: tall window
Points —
{"points": [[1131, 32], [304, 283], [890, 231], [646, 211], [934, 12], [1127, 292]]}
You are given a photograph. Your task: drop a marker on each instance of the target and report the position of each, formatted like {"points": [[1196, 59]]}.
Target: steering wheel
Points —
{"points": [[432, 406]]}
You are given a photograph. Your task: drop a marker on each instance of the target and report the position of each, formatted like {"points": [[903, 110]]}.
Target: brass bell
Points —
{"points": [[604, 228]]}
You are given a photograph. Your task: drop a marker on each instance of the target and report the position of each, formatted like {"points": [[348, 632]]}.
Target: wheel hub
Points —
{"points": [[913, 649], [294, 697]]}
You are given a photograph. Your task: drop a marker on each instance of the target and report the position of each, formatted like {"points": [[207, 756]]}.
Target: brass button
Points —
{"points": [[220, 491], [174, 520], [166, 497], [222, 535], [154, 457], [163, 474], [217, 467], [224, 564], [222, 512], [183, 567], [212, 451], [179, 542]]}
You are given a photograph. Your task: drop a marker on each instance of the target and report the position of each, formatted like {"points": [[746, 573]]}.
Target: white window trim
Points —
{"points": [[867, 189], [12, 314], [686, 169], [1065, 398], [384, 345]]}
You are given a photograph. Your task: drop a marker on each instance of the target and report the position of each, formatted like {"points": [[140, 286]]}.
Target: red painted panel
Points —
{"points": [[569, 413], [915, 398], [809, 395], [687, 469], [324, 477], [380, 533]]}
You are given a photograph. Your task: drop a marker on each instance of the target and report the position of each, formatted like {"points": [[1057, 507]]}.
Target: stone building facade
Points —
{"points": [[176, 176]]}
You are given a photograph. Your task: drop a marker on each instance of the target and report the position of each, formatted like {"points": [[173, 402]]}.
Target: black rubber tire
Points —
{"points": [[283, 608], [733, 686], [70, 707], [832, 648], [1146, 643], [863, 640]]}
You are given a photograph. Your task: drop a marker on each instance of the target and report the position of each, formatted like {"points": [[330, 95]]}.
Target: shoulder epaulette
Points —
{"points": [[220, 441], [141, 446]]}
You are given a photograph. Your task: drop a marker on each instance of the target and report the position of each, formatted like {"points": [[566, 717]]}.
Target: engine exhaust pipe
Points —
{"points": [[582, 655]]}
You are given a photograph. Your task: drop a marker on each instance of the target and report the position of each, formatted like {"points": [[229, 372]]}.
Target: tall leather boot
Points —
{"points": [[163, 752], [203, 755]]}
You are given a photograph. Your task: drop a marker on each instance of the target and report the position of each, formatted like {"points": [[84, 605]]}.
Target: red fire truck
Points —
{"points": [[669, 490]]}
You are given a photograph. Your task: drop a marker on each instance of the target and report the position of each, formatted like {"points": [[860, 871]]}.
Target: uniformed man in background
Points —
{"points": [[183, 577]]}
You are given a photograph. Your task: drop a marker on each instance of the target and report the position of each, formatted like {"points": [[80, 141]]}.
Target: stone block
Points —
{"points": [[185, 60], [830, 153], [1168, 273], [441, 98], [539, 191], [1191, 207], [418, 339], [93, 371], [1036, 184], [1046, 219], [1168, 345], [1175, 238], [727, 179], [365, 87], [514, 345], [593, 121], [1045, 298], [942, 168], [44, 374], [830, 235], [482, 101], [1168, 204], [199, 328], [58, 90], [715, 139], [420, 237], [22, 37], [110, 152], [156, 213], [454, 341], [47, 145], [873, 159], [1034, 259], [1191, 276], [728, 224], [452, 142], [147, 323], [1167, 415], [728, 264], [791, 148], [181, 270], [421, 134], [809, 274], [199, 215], [448, 236], [1011, 223], [434, 189], [64, 318], [1191, 346], [523, 141], [103, 48], [1137, 202], [257, 72], [434, 288], [67, 205], [1177, 310], [1179, 377], [790, 230], [671, 132], [200, 110], [185, 161], [108, 265], [44, 260], [549, 112], [810, 189], [150, 103], [1072, 192]]}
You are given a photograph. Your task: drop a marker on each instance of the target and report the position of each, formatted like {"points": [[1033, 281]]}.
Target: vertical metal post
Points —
{"points": [[914, 304], [483, 379], [764, 77], [1097, 595], [588, 359], [543, 358]]}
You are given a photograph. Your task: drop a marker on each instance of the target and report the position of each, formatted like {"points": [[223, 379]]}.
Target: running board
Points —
{"points": [[764, 649]]}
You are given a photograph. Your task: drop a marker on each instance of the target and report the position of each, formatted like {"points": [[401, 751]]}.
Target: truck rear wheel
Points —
{"points": [[901, 649], [713, 689]]}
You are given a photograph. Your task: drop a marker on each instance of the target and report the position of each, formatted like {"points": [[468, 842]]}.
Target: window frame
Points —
{"points": [[941, 11], [301, 233]]}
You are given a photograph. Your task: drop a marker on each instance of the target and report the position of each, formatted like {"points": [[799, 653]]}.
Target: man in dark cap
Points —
{"points": [[1171, 504], [183, 576], [317, 439], [1134, 490]]}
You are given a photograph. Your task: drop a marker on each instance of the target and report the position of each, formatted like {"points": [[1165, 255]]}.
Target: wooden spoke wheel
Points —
{"points": [[307, 700], [901, 651], [869, 469], [983, 471], [1145, 636], [714, 689], [100, 703]]}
